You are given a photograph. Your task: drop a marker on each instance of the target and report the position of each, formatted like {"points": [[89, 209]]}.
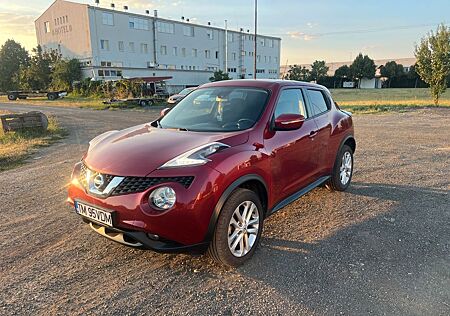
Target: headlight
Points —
{"points": [[163, 198], [194, 157]]}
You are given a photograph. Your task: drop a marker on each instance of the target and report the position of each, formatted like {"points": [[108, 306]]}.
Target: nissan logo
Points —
{"points": [[98, 181]]}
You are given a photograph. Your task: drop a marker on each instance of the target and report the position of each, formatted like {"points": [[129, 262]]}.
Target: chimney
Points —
{"points": [[187, 20], [147, 11], [242, 30], [209, 23], [182, 18], [112, 5], [97, 2], [125, 7]]}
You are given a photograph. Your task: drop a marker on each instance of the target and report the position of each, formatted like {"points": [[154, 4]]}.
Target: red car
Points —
{"points": [[206, 174]]}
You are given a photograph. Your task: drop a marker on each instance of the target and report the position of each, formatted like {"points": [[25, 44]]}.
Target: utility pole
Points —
{"points": [[256, 41], [226, 46]]}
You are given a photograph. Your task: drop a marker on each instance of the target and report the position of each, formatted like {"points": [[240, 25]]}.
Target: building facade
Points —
{"points": [[113, 44]]}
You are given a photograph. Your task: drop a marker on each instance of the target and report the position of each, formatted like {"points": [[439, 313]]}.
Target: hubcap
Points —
{"points": [[243, 228], [346, 168]]}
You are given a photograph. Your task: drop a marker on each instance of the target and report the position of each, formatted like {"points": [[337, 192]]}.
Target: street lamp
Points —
{"points": [[255, 43]]}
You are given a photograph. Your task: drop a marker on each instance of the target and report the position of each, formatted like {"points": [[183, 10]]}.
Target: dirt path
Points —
{"points": [[383, 247]]}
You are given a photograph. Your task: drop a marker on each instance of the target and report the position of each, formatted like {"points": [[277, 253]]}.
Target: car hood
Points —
{"points": [[139, 150]]}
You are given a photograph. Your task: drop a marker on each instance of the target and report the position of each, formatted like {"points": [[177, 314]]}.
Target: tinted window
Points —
{"points": [[318, 103], [290, 102]]}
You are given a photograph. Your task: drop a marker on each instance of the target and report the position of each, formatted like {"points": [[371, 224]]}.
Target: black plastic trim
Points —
{"points": [[161, 245], [298, 194]]}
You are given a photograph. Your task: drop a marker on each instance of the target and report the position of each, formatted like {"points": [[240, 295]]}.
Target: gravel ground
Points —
{"points": [[382, 247]]}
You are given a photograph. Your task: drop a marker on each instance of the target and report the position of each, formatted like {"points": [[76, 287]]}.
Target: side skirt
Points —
{"points": [[298, 194]]}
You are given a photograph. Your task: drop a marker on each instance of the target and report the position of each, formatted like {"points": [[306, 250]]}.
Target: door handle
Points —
{"points": [[313, 134]]}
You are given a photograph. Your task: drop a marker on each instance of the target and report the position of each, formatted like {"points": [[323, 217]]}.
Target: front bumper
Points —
{"points": [[142, 240], [181, 228]]}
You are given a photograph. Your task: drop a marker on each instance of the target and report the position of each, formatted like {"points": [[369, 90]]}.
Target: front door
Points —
{"points": [[292, 153]]}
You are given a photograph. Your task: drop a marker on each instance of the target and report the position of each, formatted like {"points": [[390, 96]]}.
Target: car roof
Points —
{"points": [[261, 83]]}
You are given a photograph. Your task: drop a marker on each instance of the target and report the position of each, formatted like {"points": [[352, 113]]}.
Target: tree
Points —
{"points": [[392, 70], [342, 73], [298, 73], [362, 67], [413, 75], [219, 76], [37, 76], [64, 73], [318, 70], [12, 57], [433, 60]]}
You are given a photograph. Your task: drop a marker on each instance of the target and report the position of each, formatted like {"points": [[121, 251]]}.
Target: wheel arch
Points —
{"points": [[252, 182]]}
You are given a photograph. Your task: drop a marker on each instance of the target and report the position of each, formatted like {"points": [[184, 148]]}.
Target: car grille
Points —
{"points": [[134, 184], [139, 184]]}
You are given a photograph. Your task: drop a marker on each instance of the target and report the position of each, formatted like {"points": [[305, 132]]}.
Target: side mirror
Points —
{"points": [[288, 122], [164, 112]]}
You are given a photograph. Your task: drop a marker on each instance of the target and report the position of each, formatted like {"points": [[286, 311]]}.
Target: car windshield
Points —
{"points": [[185, 91], [217, 109]]}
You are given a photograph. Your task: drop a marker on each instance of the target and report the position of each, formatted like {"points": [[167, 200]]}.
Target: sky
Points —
{"points": [[311, 30]]}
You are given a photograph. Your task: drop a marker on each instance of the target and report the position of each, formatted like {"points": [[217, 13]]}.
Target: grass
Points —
{"points": [[16, 146], [386, 100]]}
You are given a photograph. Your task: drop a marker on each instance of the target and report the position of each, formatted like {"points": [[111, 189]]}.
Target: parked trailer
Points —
{"points": [[21, 95]]}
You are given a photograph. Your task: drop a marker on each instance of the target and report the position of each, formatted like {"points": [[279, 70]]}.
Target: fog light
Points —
{"points": [[163, 198]]}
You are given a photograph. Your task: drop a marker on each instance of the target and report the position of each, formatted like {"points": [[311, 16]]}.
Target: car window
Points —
{"points": [[217, 109], [290, 102], [318, 103]]}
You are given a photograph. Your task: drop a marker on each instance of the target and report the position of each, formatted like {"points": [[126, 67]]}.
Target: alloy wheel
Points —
{"points": [[243, 228], [346, 168]]}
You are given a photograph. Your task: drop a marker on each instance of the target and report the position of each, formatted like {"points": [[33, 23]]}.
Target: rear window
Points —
{"points": [[318, 103]]}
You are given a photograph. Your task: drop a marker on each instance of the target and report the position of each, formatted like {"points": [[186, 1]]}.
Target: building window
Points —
{"points": [[175, 51], [194, 52], [144, 48], [131, 47], [265, 59], [258, 58], [105, 63], [163, 50], [193, 67], [233, 56], [271, 44], [47, 27], [101, 73], [188, 30], [207, 54], [217, 54], [164, 27], [270, 59], [262, 42], [260, 71], [104, 44], [121, 46], [183, 52], [107, 18], [138, 24], [230, 37], [210, 34], [231, 69]]}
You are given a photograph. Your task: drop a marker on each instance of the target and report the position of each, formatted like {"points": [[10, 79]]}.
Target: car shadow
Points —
{"points": [[393, 262]]}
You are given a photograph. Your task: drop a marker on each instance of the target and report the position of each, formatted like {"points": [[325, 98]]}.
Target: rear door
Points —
{"points": [[319, 106]]}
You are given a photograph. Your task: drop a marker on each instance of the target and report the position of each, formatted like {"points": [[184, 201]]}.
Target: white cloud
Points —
{"points": [[302, 35]]}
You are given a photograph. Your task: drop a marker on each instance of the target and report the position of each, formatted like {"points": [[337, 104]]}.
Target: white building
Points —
{"points": [[112, 44]]}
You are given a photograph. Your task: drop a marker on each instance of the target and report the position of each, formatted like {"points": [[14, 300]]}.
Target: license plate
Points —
{"points": [[94, 213]]}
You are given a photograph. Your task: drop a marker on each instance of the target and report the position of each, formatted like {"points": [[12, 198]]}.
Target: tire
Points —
{"points": [[143, 103], [51, 96], [336, 182], [150, 102], [12, 97], [227, 226]]}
